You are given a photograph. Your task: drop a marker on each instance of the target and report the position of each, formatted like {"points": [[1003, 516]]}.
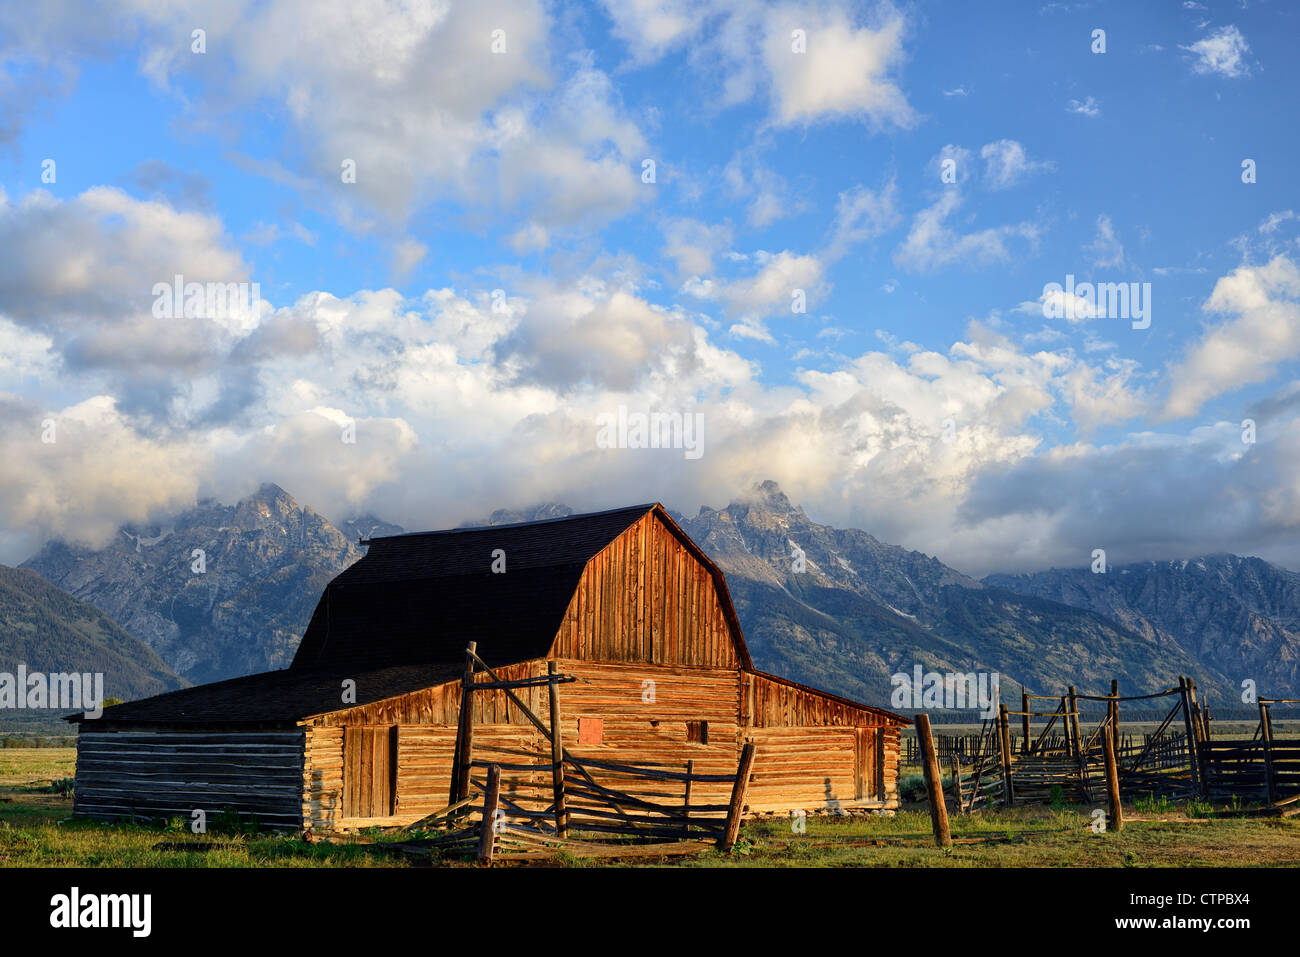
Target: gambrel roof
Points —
{"points": [[399, 619], [421, 597]]}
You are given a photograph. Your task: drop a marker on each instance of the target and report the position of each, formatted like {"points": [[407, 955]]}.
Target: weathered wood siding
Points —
{"points": [[814, 752], [164, 774], [772, 703], [440, 704], [817, 752], [646, 598], [644, 711], [322, 777]]}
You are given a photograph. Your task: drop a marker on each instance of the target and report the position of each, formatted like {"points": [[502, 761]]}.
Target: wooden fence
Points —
{"points": [[1167, 751], [1262, 766], [553, 804], [1180, 759]]}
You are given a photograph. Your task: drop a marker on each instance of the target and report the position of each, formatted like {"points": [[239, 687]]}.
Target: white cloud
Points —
{"points": [[1105, 250], [1275, 220], [1073, 308], [770, 290], [1222, 52], [82, 272], [652, 27], [768, 195], [407, 254], [1263, 303], [932, 243], [98, 473], [1088, 107], [862, 215], [1006, 163], [847, 71], [693, 245]]}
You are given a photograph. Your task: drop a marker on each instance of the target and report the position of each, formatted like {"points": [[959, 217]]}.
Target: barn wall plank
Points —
{"points": [[125, 774]]}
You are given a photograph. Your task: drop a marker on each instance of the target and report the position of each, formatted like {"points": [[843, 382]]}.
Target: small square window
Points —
{"points": [[697, 732], [591, 730]]}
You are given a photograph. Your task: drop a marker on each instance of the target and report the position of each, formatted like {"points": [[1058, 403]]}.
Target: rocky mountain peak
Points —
{"points": [[218, 590], [767, 496]]}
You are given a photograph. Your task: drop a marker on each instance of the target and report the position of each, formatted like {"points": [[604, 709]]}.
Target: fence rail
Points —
{"points": [[1181, 758], [1167, 751], [550, 804]]}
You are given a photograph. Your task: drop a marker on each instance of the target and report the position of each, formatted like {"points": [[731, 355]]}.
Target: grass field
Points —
{"points": [[36, 830]]}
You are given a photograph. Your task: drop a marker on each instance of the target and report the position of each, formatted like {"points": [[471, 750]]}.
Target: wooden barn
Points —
{"points": [[362, 727]]}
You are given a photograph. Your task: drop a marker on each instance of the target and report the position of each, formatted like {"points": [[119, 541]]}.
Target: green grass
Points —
{"points": [[37, 830]]}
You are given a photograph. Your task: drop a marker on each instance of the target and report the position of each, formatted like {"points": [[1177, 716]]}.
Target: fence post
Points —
{"points": [[686, 800], [1193, 752], [738, 790], [1004, 736], [1114, 715], [1024, 719], [956, 785], [464, 731], [487, 828], [1266, 739], [557, 753], [933, 782], [1112, 782], [1072, 722], [1198, 725]]}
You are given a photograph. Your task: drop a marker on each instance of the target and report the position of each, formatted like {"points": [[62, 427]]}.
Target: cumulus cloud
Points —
{"points": [[1262, 329], [842, 65], [652, 27], [693, 245], [80, 472], [846, 71], [771, 288], [85, 272], [413, 96]]}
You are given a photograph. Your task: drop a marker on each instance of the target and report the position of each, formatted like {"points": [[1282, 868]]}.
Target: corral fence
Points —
{"points": [[1261, 765], [1169, 750], [1056, 756], [570, 802]]}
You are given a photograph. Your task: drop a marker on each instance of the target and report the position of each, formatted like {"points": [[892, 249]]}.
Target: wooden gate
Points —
{"points": [[565, 797]]}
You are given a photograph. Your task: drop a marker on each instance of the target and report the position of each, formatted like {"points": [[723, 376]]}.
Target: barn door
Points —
{"points": [[868, 779], [369, 771]]}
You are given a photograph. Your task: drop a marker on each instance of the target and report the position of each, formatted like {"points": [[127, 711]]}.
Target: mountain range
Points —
{"points": [[220, 590], [48, 630], [831, 607]]}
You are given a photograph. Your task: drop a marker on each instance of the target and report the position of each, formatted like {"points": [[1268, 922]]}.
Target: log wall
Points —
{"points": [[165, 774], [815, 752]]}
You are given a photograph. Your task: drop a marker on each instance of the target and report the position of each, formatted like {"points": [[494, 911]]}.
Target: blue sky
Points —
{"points": [[923, 395]]}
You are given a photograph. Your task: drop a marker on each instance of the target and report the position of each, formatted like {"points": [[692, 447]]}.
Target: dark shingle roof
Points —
{"points": [[275, 697], [421, 597]]}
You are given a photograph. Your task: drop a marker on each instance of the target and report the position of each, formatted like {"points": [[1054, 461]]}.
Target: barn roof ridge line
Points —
{"points": [[465, 529]]}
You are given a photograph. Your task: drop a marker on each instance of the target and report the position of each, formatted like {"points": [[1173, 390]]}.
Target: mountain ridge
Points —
{"points": [[828, 606]]}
